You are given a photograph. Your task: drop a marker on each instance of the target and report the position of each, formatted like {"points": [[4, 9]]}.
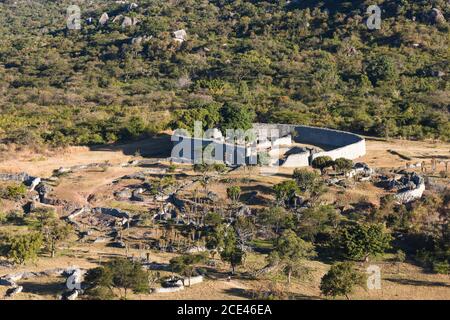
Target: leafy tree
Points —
{"points": [[185, 264], [340, 280], [343, 165], [291, 253], [230, 250], [118, 275], [233, 193], [236, 116], [208, 114], [381, 68], [306, 180], [285, 191], [360, 241], [322, 163], [323, 219], [213, 219], [23, 248], [54, 231], [400, 257], [276, 218]]}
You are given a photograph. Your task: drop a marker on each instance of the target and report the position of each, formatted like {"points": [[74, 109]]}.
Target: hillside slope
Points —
{"points": [[305, 62]]}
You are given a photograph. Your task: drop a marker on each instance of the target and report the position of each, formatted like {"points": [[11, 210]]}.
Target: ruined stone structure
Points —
{"points": [[338, 144]]}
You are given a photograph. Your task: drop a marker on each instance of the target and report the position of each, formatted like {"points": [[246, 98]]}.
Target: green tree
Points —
{"points": [[291, 253], [285, 191], [343, 165], [361, 241], [23, 248], [213, 219], [118, 275], [236, 116], [233, 193], [322, 219], [208, 114], [276, 218], [185, 264], [341, 280], [400, 257], [306, 180], [54, 231], [322, 163], [381, 68], [231, 251]]}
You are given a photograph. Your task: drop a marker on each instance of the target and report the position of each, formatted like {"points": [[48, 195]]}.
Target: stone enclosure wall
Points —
{"points": [[339, 144]]}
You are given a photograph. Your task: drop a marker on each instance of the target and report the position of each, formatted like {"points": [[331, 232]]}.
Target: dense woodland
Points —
{"points": [[306, 62]]}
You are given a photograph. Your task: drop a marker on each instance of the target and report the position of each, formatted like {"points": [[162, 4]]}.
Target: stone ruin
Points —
{"points": [[176, 284], [409, 187], [10, 280]]}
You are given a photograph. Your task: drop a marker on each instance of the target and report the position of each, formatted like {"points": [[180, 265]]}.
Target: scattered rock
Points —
{"points": [[72, 295], [127, 22], [104, 18], [180, 36], [436, 16], [13, 291]]}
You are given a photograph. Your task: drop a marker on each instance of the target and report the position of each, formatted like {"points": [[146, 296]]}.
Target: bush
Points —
{"points": [[441, 267], [14, 192]]}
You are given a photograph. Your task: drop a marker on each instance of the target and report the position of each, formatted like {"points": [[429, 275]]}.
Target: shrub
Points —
{"points": [[14, 192], [441, 267]]}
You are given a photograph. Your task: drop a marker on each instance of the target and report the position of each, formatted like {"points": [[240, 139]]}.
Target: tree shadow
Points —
{"points": [[48, 288], [259, 188], [419, 283], [239, 292], [153, 147], [252, 198]]}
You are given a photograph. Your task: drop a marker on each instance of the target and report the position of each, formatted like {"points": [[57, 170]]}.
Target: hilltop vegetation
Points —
{"points": [[305, 62]]}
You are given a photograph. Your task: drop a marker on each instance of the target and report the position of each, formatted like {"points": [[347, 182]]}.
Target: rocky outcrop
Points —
{"points": [[180, 36], [136, 195], [11, 279], [71, 295], [13, 291], [20, 177], [413, 188], [103, 19], [437, 17]]}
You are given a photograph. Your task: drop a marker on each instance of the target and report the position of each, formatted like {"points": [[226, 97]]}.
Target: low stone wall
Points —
{"points": [[297, 160], [351, 151], [194, 280], [410, 195], [168, 290], [185, 149]]}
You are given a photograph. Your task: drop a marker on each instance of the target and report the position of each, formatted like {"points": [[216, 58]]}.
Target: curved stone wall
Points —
{"points": [[341, 144], [338, 144]]}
